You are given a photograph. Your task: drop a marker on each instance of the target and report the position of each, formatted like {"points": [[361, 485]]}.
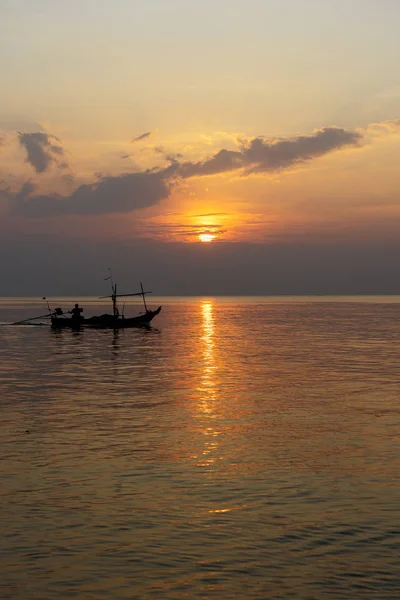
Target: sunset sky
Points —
{"points": [[218, 146]]}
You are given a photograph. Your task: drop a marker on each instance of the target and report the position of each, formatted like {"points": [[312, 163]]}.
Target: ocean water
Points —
{"points": [[241, 448]]}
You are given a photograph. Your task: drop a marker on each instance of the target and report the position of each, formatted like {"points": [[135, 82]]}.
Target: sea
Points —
{"points": [[240, 448]]}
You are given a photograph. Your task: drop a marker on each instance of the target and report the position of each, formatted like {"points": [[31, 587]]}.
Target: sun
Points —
{"points": [[206, 237]]}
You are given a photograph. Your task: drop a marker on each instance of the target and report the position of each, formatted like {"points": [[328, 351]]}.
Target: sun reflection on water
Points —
{"points": [[209, 364], [208, 388]]}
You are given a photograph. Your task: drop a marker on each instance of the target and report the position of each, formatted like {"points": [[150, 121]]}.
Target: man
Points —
{"points": [[76, 312]]}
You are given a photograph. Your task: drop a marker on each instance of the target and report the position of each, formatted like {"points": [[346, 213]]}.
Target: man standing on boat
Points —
{"points": [[76, 313]]}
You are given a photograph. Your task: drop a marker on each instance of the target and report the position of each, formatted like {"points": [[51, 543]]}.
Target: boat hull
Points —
{"points": [[105, 321]]}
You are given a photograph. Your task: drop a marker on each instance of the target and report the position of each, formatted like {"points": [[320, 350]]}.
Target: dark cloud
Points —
{"points": [[223, 161], [26, 190], [43, 150], [261, 155], [170, 156], [133, 191], [109, 195], [5, 192], [282, 154], [173, 158], [46, 264], [141, 137]]}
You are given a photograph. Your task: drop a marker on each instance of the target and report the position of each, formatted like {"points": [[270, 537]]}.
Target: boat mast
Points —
{"points": [[114, 300], [114, 295], [143, 296]]}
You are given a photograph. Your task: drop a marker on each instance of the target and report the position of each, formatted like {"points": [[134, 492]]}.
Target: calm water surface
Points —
{"points": [[240, 449]]}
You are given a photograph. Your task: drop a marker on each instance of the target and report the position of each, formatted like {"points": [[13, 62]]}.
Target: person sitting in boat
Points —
{"points": [[76, 312]]}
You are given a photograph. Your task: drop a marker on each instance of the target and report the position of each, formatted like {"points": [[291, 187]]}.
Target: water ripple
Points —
{"points": [[243, 449]]}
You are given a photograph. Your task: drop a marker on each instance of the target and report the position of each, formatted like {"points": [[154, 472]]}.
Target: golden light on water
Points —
{"points": [[209, 365], [207, 408], [210, 409]]}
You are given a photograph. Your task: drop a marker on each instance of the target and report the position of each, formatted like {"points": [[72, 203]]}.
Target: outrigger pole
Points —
{"points": [[48, 316], [32, 319]]}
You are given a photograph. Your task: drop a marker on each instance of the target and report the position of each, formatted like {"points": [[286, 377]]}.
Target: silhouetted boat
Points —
{"points": [[107, 321]]}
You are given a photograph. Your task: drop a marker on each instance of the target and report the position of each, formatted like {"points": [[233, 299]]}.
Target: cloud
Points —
{"points": [[139, 138], [133, 191], [43, 150], [48, 264], [178, 231], [125, 193], [264, 155], [384, 128], [26, 190], [172, 157], [214, 214]]}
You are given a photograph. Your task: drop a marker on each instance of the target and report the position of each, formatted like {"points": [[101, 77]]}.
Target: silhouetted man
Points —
{"points": [[76, 312]]}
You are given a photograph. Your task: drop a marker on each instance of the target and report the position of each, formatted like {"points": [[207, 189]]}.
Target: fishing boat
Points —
{"points": [[61, 320], [107, 321]]}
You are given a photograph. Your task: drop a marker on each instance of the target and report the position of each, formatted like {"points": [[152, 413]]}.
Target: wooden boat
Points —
{"points": [[107, 321]]}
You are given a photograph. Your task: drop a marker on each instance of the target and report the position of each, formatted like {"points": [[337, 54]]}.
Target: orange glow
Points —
{"points": [[206, 237], [208, 389]]}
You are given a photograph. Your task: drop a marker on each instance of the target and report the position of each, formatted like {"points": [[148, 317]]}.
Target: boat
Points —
{"points": [[107, 321]]}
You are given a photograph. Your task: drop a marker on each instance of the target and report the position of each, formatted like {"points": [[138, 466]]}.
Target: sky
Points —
{"points": [[213, 147]]}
